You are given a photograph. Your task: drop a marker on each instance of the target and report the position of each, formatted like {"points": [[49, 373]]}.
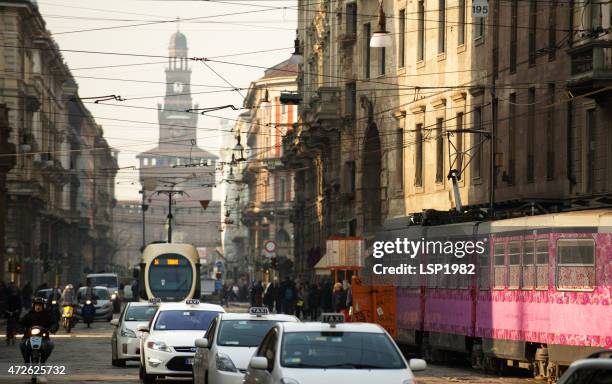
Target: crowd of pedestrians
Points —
{"points": [[303, 299]]}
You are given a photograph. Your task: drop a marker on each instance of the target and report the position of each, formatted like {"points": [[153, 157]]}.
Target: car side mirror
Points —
{"points": [[114, 322], [143, 328], [201, 343], [259, 362], [417, 364]]}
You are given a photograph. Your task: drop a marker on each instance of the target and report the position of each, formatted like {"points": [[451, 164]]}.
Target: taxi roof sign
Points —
{"points": [[155, 300], [259, 311], [332, 318], [192, 301]]}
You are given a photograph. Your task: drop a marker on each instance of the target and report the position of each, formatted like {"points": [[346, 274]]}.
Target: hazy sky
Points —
{"points": [[213, 28]]}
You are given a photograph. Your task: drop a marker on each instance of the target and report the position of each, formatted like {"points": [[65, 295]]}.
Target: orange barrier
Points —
{"points": [[374, 304]]}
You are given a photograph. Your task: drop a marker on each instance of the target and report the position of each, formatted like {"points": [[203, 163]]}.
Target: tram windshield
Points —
{"points": [[170, 277]]}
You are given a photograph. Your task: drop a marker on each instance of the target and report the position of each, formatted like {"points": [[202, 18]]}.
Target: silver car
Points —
{"points": [[102, 302], [125, 341]]}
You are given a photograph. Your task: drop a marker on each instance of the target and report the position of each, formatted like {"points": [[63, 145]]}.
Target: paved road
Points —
{"points": [[86, 353]]}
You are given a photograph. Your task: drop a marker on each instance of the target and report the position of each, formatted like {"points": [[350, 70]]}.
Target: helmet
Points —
{"points": [[38, 300]]}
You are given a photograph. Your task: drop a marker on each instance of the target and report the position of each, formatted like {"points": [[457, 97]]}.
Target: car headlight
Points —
{"points": [[34, 331], [287, 380], [128, 333], [224, 363], [158, 346]]}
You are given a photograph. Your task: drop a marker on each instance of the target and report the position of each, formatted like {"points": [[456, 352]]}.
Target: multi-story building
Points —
{"points": [[267, 213], [176, 167], [383, 128], [49, 236]]}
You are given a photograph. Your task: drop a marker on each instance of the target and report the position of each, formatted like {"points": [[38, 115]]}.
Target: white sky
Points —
{"points": [[263, 28]]}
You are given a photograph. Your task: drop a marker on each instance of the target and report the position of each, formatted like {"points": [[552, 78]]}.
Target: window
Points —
{"points": [[552, 30], [513, 34], [512, 138], [550, 133], [459, 141], [541, 261], [575, 264], [366, 49], [531, 135], [283, 190], [441, 25], [499, 266], [528, 265], [421, 31], [350, 177], [418, 169], [477, 144], [382, 52], [514, 264], [483, 277], [402, 38], [351, 18], [533, 19], [479, 28], [399, 160], [461, 23], [439, 151], [351, 99]]}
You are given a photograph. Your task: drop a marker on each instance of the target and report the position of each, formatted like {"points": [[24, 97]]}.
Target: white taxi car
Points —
{"points": [[167, 347], [304, 353], [223, 356], [125, 341]]}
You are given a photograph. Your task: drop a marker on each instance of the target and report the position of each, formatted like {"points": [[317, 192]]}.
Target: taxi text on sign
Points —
{"points": [[480, 8]]}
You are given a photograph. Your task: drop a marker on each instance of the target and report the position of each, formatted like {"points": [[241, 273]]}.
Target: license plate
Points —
{"points": [[189, 361], [35, 342]]}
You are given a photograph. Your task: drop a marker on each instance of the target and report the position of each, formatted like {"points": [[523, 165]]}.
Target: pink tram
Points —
{"points": [[539, 300]]}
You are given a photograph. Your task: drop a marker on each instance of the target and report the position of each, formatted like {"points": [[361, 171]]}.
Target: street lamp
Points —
{"points": [[381, 38], [297, 57], [238, 155]]}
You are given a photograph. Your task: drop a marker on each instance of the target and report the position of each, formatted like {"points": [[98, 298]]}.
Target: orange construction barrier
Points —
{"points": [[374, 304]]}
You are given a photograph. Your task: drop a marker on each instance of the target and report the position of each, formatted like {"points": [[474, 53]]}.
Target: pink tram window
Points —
{"points": [[499, 266], [514, 261], [528, 265], [541, 261], [484, 275], [575, 264]]}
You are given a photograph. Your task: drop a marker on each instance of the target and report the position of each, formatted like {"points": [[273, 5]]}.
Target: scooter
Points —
{"points": [[37, 336], [68, 319], [88, 311], [11, 326]]}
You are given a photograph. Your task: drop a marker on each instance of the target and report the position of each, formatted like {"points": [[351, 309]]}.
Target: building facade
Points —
{"points": [[484, 99], [270, 186], [50, 237]]}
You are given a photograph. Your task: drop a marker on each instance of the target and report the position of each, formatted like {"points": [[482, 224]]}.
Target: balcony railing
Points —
{"points": [[591, 65]]}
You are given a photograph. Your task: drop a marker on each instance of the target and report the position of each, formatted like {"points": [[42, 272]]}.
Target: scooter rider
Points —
{"points": [[69, 296], [36, 316]]}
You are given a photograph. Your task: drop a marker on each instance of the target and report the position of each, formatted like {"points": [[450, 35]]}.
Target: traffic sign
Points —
{"points": [[270, 246], [480, 8]]}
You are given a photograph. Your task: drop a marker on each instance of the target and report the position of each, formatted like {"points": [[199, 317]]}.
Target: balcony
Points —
{"points": [[326, 105], [591, 66]]}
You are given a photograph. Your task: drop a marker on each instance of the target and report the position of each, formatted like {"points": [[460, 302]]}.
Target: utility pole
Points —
{"points": [[143, 208], [170, 194]]}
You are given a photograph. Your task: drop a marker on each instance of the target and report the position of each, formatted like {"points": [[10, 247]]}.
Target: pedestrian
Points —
{"points": [[257, 294], [13, 309], [314, 301], [269, 296], [305, 294], [289, 296], [3, 296], [26, 295], [338, 298], [326, 296], [299, 302]]}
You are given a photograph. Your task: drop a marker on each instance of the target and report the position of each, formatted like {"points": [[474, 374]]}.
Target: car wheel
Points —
{"points": [[146, 378]]}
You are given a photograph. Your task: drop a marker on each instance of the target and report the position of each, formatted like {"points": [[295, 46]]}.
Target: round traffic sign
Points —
{"points": [[270, 246]]}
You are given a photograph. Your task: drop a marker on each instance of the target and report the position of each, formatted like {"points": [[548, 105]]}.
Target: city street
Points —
{"points": [[86, 353]]}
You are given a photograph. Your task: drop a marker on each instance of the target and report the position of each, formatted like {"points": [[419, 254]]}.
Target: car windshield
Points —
{"points": [[101, 294], [104, 281], [140, 313], [339, 350], [243, 333], [184, 320]]}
